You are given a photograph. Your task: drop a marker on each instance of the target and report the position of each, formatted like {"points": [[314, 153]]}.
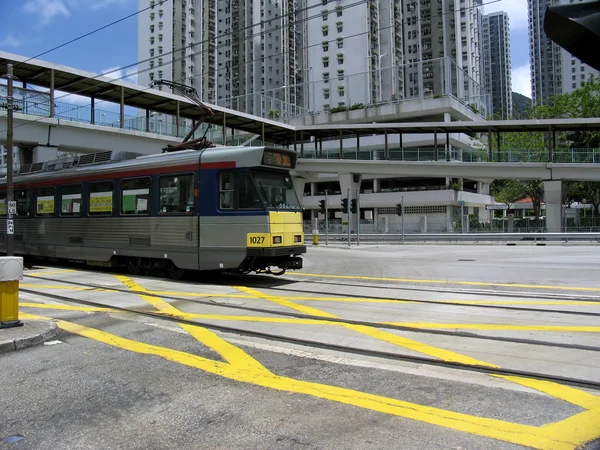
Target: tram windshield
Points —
{"points": [[277, 190]]}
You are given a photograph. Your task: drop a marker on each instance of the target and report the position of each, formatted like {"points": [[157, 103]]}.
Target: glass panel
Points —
{"points": [[3, 203], [135, 196], [278, 190], [176, 194], [248, 198], [23, 203], [101, 198], [45, 202], [226, 191], [70, 200]]}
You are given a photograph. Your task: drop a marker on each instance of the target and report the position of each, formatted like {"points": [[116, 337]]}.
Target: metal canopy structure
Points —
{"points": [[57, 77]]}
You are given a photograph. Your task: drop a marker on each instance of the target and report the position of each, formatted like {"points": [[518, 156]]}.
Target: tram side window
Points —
{"points": [[226, 191], [176, 194], [45, 202], [135, 196], [70, 200], [23, 199], [100, 198]]}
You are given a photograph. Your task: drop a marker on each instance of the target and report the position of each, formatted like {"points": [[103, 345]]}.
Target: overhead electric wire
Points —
{"points": [[276, 28]]}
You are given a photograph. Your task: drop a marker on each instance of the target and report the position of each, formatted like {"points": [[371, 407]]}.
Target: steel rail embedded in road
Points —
{"points": [[471, 236], [591, 384]]}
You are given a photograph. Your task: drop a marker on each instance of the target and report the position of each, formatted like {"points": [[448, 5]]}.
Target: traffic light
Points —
{"points": [[576, 28], [353, 208], [322, 206], [399, 209], [345, 205]]}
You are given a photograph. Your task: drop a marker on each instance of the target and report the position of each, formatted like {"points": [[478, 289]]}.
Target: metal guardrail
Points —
{"points": [[458, 237]]}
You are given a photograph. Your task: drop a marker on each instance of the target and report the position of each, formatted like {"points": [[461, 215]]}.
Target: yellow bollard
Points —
{"points": [[315, 237], [11, 271]]}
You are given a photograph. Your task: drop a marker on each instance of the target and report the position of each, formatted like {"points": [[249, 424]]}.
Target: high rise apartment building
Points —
{"points": [[497, 62], [385, 50], [554, 71], [236, 54]]}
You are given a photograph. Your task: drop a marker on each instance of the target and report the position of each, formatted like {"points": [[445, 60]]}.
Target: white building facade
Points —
{"points": [[497, 68]]}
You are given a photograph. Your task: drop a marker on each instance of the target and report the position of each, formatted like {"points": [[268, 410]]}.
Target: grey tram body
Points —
{"points": [[194, 242]]}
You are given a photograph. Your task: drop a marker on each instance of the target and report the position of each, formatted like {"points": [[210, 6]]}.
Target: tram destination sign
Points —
{"points": [[278, 159]]}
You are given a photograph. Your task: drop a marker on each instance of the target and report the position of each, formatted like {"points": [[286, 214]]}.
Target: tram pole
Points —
{"points": [[349, 217], [326, 218], [402, 211], [10, 206], [357, 218]]}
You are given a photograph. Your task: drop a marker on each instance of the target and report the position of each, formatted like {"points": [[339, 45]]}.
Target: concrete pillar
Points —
{"points": [[449, 223], [510, 223], [350, 181], [483, 188], [553, 196], [42, 153], [299, 184]]}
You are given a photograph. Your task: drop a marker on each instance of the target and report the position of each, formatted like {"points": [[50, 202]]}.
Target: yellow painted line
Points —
{"points": [[467, 283], [391, 338], [158, 303], [66, 307], [483, 326], [42, 274], [568, 434], [566, 393], [53, 286]]}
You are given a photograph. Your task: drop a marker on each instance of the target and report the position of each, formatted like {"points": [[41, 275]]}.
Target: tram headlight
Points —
{"points": [[297, 238], [276, 239]]}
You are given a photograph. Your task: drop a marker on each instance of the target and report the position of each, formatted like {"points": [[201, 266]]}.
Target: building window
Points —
{"points": [[340, 74], [325, 30], [340, 26], [326, 76], [341, 91], [176, 194], [151, 40], [70, 200], [340, 58], [325, 94], [340, 42], [339, 11], [325, 46], [325, 61], [135, 196], [324, 14], [100, 198]]}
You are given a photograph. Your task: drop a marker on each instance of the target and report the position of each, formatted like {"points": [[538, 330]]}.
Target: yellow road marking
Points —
{"points": [[420, 325], [567, 434], [66, 307], [158, 303], [391, 338], [52, 286], [467, 283], [566, 393]]}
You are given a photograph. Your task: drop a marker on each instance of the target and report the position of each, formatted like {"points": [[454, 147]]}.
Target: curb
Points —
{"points": [[30, 340]]}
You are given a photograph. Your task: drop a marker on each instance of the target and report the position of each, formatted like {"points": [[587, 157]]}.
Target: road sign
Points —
{"points": [[10, 227], [496, 207], [461, 203], [12, 207]]}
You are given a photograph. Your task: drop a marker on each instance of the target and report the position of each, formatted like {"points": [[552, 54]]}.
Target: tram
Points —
{"points": [[216, 209]]}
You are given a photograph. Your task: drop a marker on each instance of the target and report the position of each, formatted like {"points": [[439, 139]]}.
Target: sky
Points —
{"points": [[30, 27]]}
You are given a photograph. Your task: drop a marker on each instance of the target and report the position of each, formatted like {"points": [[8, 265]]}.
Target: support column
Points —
{"points": [[350, 181], [301, 144], [341, 145], [490, 145], [93, 111], [299, 184], [553, 196], [550, 142], [52, 93], [448, 148], [177, 118], [400, 146], [147, 121], [435, 144], [386, 150], [224, 131], [122, 109]]}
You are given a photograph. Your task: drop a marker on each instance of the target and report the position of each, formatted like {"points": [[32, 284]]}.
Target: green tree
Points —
{"points": [[511, 192], [535, 190]]}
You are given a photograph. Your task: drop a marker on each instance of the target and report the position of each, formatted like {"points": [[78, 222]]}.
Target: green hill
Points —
{"points": [[520, 105]]}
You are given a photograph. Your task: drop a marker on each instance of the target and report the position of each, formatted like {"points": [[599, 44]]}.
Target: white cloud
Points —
{"points": [[11, 41], [47, 9], [521, 80], [516, 9]]}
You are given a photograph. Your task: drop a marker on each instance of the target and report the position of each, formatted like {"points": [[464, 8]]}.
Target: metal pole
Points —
{"points": [[326, 219], [9, 162], [349, 216], [402, 211], [357, 218]]}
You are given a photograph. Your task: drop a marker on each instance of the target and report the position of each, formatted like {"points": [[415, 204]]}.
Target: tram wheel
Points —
{"points": [[134, 266], [175, 273]]}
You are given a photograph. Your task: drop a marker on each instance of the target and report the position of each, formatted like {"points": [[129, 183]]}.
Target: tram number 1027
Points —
{"points": [[257, 240]]}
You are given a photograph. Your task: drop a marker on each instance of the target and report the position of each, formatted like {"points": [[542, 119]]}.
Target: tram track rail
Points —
{"points": [[589, 384]]}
